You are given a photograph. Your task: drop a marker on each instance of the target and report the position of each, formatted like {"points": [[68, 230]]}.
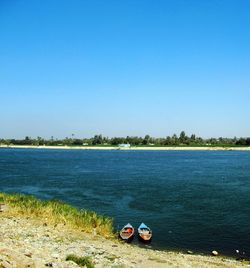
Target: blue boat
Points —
{"points": [[144, 233]]}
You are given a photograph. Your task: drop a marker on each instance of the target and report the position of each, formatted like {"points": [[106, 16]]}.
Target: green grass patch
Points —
{"points": [[55, 211], [81, 261]]}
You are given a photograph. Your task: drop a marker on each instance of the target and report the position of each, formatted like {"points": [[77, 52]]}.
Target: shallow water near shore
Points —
{"points": [[196, 200]]}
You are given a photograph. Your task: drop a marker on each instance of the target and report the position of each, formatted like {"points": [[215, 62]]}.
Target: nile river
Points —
{"points": [[195, 200]]}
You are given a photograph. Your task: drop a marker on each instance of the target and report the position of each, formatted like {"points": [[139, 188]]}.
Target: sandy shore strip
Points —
{"points": [[31, 242], [132, 148]]}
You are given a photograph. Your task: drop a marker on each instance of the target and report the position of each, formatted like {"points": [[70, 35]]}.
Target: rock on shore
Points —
{"points": [[28, 242]]}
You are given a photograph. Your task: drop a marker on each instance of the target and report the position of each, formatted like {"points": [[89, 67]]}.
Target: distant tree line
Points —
{"points": [[175, 140]]}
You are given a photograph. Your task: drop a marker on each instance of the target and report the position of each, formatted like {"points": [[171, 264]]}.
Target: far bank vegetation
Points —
{"points": [[99, 140]]}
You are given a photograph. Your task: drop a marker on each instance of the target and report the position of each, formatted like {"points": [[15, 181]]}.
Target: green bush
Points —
{"points": [[82, 261]]}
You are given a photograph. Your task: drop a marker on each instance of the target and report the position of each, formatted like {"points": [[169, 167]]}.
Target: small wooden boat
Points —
{"points": [[144, 233], [127, 232]]}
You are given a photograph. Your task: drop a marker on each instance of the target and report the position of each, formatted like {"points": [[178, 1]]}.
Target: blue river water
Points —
{"points": [[196, 200]]}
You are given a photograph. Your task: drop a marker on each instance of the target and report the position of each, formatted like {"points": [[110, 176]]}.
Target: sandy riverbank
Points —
{"points": [[176, 148], [32, 242]]}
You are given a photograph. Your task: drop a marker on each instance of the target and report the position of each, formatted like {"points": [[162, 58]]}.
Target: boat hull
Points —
{"points": [[127, 233], [145, 238], [126, 239], [144, 233]]}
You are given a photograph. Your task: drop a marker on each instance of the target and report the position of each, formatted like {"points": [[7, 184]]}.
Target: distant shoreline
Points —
{"points": [[145, 148]]}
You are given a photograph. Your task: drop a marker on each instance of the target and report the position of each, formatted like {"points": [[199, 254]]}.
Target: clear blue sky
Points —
{"points": [[124, 68]]}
